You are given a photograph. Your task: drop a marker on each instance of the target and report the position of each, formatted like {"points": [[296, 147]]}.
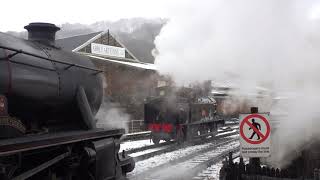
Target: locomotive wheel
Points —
{"points": [[155, 140], [180, 136]]}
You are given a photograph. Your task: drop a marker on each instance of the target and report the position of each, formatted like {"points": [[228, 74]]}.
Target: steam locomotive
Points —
{"points": [[48, 101], [181, 118]]}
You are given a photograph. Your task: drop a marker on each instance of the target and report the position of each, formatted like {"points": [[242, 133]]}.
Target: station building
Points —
{"points": [[128, 81]]}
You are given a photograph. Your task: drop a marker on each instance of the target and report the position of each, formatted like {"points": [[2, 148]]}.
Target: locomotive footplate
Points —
{"points": [[77, 154], [31, 142]]}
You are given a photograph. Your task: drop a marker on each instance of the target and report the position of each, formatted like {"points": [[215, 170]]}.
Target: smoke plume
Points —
{"points": [[268, 43]]}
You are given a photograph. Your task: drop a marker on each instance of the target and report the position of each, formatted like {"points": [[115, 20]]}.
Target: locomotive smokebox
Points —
{"points": [[42, 32]]}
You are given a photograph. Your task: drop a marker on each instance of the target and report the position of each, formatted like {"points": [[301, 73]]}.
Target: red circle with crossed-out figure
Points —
{"points": [[246, 121]]}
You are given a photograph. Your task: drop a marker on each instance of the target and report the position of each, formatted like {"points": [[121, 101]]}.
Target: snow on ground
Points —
{"points": [[128, 145], [224, 133], [158, 160], [234, 136], [227, 128], [213, 172], [138, 133], [182, 169], [235, 127], [161, 159], [148, 151]]}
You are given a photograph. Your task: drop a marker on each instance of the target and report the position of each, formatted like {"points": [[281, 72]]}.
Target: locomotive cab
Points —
{"points": [[163, 120], [203, 118]]}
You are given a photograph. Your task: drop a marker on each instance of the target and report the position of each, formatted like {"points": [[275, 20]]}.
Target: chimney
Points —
{"points": [[44, 33]]}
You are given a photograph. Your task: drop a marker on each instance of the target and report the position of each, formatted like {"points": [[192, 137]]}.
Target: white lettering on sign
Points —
{"points": [[102, 49], [255, 132]]}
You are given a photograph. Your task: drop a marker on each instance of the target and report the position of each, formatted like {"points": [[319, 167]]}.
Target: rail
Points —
{"points": [[136, 136]]}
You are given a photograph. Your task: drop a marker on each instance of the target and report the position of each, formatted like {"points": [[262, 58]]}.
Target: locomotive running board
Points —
{"points": [[26, 143]]}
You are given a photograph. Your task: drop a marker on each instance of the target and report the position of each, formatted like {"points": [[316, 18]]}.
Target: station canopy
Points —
{"points": [[103, 46]]}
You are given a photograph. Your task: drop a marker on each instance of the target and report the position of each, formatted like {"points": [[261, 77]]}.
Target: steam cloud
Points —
{"points": [[269, 43], [110, 115]]}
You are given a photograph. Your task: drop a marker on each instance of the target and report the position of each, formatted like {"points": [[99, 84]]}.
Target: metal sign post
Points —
{"points": [[255, 133]]}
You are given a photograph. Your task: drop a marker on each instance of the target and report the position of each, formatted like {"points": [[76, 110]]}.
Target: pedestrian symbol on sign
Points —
{"points": [[254, 128], [255, 133], [257, 127]]}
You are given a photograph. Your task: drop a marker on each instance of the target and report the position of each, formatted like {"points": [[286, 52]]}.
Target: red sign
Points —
{"points": [[256, 131]]}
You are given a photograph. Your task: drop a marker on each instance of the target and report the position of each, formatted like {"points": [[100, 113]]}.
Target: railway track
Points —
{"points": [[213, 169], [152, 146], [150, 151], [136, 136], [223, 132], [184, 163]]}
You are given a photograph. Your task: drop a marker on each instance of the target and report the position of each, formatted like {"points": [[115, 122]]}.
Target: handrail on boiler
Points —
{"points": [[19, 51]]}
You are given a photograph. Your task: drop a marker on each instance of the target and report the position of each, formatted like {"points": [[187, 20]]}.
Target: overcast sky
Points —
{"points": [[17, 13]]}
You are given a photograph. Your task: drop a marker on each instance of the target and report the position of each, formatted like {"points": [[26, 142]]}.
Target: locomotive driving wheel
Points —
{"points": [[10, 127], [155, 140]]}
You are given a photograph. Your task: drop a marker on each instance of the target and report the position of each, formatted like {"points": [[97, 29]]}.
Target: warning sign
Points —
{"points": [[255, 135]]}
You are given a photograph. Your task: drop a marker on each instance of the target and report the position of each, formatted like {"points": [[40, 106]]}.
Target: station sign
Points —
{"points": [[102, 49], [255, 133]]}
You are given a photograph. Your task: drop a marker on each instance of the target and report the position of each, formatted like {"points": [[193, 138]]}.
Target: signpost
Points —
{"points": [[255, 133]]}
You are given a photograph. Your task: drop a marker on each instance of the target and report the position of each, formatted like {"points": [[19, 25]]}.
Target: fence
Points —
{"points": [[136, 126], [251, 171]]}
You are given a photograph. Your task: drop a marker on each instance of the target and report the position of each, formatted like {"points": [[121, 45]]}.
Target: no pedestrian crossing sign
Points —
{"points": [[255, 133]]}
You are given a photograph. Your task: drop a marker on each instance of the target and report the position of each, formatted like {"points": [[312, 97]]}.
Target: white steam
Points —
{"points": [[111, 115], [270, 43]]}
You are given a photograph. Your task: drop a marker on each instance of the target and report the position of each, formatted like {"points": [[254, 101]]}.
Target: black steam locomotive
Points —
{"points": [[48, 100], [180, 118]]}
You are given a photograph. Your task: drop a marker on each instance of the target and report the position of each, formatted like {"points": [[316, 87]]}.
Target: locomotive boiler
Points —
{"points": [[48, 101]]}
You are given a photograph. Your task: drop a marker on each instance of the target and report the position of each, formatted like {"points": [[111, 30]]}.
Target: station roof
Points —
{"points": [[81, 44], [131, 64], [71, 43]]}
